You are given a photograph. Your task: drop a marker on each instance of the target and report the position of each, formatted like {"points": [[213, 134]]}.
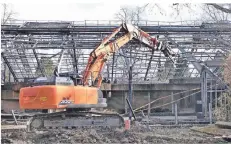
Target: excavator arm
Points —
{"points": [[102, 53]]}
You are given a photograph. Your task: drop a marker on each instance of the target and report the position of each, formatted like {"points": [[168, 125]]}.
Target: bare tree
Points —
{"points": [[213, 14], [123, 14], [131, 14], [7, 14], [213, 11], [177, 7]]}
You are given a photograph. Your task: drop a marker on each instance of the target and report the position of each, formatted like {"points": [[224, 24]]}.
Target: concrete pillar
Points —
{"points": [[216, 97], [210, 113], [211, 93], [176, 114], [226, 110], [172, 99], [149, 105], [125, 103]]}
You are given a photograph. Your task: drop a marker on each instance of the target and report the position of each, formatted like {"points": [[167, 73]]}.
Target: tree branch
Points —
{"points": [[226, 10], [7, 15]]}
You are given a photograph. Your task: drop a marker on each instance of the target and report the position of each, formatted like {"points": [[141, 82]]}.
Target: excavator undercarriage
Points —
{"points": [[73, 114], [75, 119]]}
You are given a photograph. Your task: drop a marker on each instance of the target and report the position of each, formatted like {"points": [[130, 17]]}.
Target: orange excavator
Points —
{"points": [[80, 96]]}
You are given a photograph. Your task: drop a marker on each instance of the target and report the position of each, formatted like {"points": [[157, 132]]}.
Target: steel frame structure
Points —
{"points": [[27, 44]]}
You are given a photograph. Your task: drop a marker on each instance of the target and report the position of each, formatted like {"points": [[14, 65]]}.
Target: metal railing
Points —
{"points": [[116, 22]]}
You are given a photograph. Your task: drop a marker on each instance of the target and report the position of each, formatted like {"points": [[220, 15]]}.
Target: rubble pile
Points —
{"points": [[137, 134]]}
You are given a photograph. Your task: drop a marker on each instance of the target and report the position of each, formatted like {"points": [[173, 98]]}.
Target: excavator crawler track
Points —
{"points": [[70, 120]]}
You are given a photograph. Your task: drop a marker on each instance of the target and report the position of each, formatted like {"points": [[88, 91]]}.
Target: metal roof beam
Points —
{"points": [[9, 67]]}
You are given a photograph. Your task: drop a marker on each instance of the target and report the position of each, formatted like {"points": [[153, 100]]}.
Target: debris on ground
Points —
{"points": [[212, 130], [218, 130], [222, 124], [137, 134]]}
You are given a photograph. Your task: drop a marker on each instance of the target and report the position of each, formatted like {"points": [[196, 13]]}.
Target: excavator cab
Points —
{"points": [[53, 80]]}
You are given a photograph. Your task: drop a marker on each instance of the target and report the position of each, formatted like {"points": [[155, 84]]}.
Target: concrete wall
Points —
{"points": [[9, 101], [158, 90], [120, 91], [9, 95], [8, 105], [117, 100]]}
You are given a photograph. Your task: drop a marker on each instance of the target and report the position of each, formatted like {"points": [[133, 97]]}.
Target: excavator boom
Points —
{"points": [[103, 52]]}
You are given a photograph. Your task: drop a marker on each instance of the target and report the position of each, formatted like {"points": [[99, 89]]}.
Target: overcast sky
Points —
{"points": [[95, 11]]}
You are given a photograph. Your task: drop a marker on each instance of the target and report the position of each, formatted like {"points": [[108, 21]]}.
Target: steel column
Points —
{"points": [[112, 69], [75, 59], [130, 89], [204, 92], [149, 65]]}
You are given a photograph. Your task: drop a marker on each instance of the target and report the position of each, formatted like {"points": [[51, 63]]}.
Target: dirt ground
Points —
{"points": [[137, 134]]}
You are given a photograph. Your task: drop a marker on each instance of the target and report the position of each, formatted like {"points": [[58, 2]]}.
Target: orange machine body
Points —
{"points": [[54, 97]]}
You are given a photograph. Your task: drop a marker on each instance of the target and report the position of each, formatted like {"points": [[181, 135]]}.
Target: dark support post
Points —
{"points": [[75, 59], [149, 65], [112, 69], [4, 73], [131, 110], [130, 90], [204, 92]]}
